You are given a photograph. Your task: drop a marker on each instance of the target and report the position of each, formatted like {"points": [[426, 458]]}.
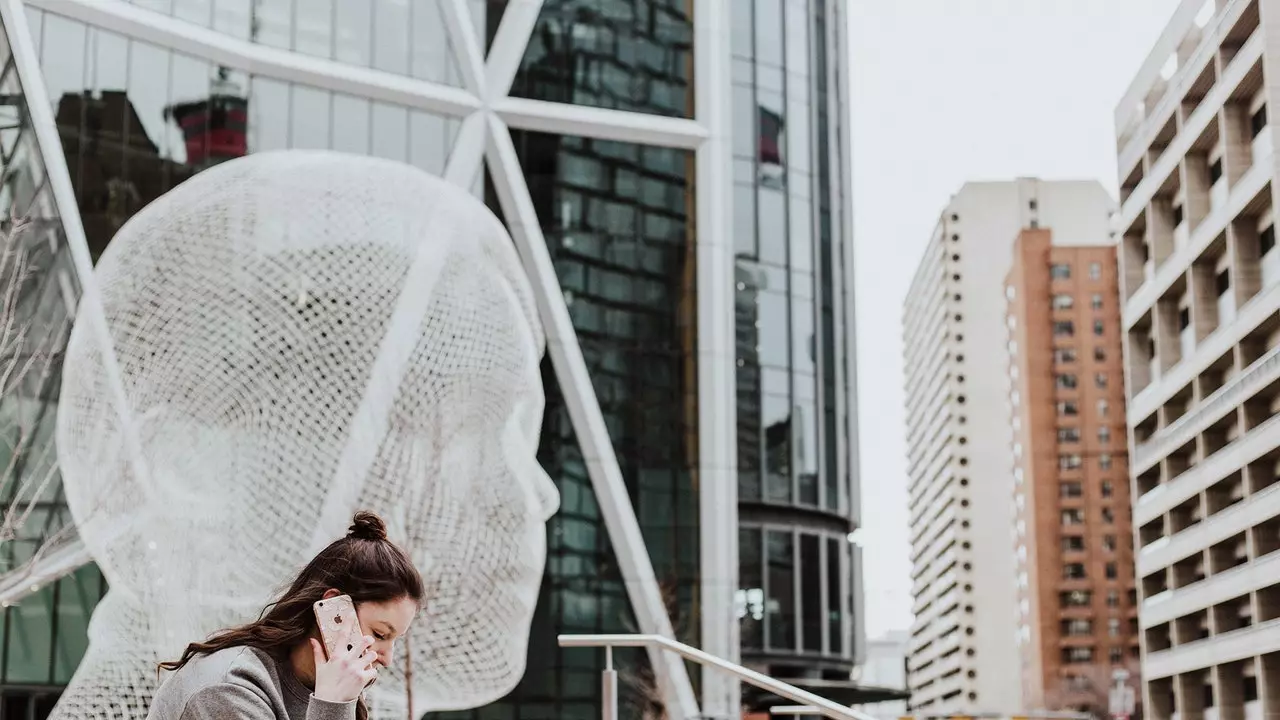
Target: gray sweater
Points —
{"points": [[240, 683]]}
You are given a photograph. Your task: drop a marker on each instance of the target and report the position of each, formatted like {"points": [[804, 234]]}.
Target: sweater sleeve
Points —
{"points": [[319, 709], [227, 700]]}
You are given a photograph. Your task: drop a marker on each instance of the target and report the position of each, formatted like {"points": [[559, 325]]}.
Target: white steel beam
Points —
{"points": [[45, 569], [588, 421], [717, 403], [467, 157], [465, 41], [509, 44], [599, 123]]}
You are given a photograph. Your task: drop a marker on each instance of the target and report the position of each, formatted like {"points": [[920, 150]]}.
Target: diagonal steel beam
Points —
{"points": [[509, 43], [588, 422]]}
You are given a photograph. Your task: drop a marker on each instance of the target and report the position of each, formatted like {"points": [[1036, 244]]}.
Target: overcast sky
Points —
{"points": [[947, 91]]}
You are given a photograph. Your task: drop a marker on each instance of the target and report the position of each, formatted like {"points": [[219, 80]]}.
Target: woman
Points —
{"points": [[276, 667]]}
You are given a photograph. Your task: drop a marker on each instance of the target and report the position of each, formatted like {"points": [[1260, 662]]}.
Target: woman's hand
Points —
{"points": [[341, 678]]}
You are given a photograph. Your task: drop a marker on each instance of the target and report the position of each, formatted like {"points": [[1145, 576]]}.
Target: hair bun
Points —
{"points": [[367, 526]]}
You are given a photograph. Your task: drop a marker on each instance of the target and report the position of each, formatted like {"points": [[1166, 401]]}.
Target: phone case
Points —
{"points": [[338, 623]]}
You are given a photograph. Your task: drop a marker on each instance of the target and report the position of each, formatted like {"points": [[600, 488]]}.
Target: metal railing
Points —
{"points": [[808, 703]]}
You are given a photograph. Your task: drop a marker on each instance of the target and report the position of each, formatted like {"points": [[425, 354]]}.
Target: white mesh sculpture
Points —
{"points": [[299, 335]]}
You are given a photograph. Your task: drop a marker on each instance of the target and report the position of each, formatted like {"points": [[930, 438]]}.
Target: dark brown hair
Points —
{"points": [[364, 564]]}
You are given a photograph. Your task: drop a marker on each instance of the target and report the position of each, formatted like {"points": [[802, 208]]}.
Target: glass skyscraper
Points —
{"points": [[146, 94]]}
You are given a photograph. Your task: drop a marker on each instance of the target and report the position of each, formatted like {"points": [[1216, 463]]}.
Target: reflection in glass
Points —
{"points": [[309, 118], [313, 27], [835, 604], [272, 22], [43, 290], [772, 216], [391, 29], [232, 17], [781, 603], [628, 56], [351, 120], [769, 32], [751, 602], [390, 131], [744, 220], [353, 32], [811, 593]]}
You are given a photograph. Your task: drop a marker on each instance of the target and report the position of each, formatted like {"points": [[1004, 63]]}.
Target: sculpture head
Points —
{"points": [[297, 335]]}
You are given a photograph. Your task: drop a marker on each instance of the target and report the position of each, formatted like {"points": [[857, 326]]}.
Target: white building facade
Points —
{"points": [[1200, 284]]}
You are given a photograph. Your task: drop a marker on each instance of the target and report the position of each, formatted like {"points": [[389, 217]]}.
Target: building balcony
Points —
{"points": [[1137, 133], [1253, 313], [1260, 639], [1232, 457], [1141, 139], [1264, 371], [1213, 590], [1174, 267]]}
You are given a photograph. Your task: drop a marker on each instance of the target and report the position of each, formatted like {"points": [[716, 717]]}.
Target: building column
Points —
{"points": [[1269, 684], [1237, 151], [1203, 291], [1189, 691], [1165, 333], [1194, 170], [1160, 229], [1228, 690]]}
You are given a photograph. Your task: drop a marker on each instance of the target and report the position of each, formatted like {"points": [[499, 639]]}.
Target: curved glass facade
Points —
{"points": [[135, 119], [794, 434]]}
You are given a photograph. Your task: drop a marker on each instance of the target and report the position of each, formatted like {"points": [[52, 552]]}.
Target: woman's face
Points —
{"points": [[385, 622]]}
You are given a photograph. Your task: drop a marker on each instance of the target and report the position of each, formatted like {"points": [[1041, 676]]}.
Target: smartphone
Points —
{"points": [[339, 626]]}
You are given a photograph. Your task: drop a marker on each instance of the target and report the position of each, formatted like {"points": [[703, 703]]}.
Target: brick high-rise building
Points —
{"points": [[1077, 615], [962, 655]]}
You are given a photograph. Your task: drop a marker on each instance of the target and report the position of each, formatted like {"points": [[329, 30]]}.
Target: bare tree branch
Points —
{"points": [[31, 344]]}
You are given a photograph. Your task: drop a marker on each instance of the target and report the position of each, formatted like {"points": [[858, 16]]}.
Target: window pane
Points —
{"points": [[31, 639], [430, 139], [274, 20], [270, 115], [750, 588], [811, 593], [391, 35], [350, 124], [744, 220], [78, 593], [354, 25], [835, 604], [773, 226], [777, 434], [390, 131], [309, 128], [781, 604], [769, 32], [313, 33]]}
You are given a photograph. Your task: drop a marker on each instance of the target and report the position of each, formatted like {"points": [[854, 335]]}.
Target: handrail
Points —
{"points": [[819, 705]]}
